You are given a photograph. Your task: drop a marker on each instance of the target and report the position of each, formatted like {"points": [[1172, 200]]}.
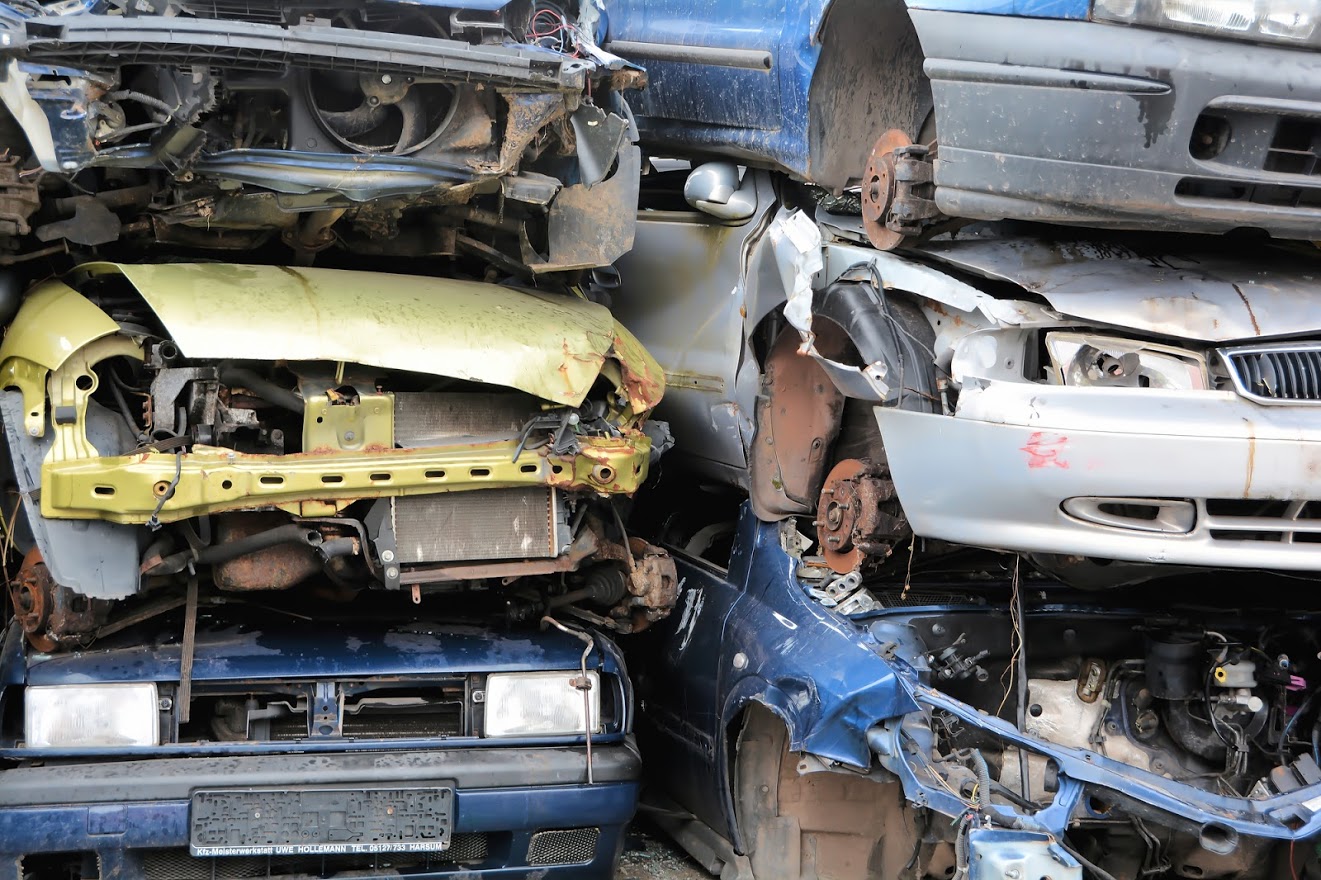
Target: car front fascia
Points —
{"points": [[118, 802]]}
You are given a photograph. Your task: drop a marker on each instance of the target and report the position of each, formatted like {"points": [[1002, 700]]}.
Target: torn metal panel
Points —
{"points": [[592, 225], [1201, 295], [549, 346]]}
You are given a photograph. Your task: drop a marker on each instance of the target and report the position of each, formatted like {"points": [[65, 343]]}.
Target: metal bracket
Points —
{"points": [[380, 527], [326, 711]]}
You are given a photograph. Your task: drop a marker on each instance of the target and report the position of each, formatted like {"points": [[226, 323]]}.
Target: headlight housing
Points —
{"points": [[540, 703], [91, 715], [1275, 21], [1081, 359]]}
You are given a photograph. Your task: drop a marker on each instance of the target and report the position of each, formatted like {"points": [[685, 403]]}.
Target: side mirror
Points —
{"points": [[715, 189]]}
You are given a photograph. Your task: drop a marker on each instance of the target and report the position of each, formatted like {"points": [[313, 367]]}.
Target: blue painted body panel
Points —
{"points": [[319, 650], [849, 688], [1072, 9], [760, 116]]}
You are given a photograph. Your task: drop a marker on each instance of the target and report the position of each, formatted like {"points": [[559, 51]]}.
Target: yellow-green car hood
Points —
{"points": [[551, 346]]}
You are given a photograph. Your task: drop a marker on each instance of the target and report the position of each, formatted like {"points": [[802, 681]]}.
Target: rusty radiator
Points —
{"points": [[475, 526]]}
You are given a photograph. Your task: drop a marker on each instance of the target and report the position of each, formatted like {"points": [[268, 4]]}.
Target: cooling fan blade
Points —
{"points": [[380, 113]]}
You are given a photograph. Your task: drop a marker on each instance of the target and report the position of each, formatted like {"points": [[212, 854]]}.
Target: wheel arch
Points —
{"points": [[868, 80]]}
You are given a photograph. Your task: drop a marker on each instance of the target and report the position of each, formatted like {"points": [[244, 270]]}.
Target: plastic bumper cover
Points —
{"points": [[1024, 133], [126, 813], [997, 474]]}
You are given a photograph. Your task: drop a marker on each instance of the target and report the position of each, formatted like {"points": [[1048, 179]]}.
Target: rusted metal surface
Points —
{"points": [[653, 585], [18, 198], [897, 191], [274, 568], [593, 226], [798, 412], [51, 615], [858, 515], [798, 819], [528, 115]]}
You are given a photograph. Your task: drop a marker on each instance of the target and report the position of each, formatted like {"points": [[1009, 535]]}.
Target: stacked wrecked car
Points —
{"points": [[997, 538], [320, 432]]}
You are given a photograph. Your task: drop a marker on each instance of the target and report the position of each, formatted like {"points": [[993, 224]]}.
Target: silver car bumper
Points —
{"points": [[1003, 472]]}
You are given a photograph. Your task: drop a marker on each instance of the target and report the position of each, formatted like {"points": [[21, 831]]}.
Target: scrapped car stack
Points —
{"points": [[923, 398]]}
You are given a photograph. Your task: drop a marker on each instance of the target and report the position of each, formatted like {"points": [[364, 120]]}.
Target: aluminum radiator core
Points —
{"points": [[481, 525], [435, 419]]}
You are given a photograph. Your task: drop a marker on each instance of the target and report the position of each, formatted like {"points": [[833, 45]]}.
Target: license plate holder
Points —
{"points": [[321, 820]]}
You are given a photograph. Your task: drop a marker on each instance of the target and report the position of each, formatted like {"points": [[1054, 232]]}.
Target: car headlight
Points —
{"points": [[1111, 362], [74, 715], [540, 703], [1279, 21]]}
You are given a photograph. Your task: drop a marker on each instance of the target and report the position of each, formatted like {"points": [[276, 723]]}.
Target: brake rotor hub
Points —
{"points": [[898, 196], [52, 615], [857, 515]]}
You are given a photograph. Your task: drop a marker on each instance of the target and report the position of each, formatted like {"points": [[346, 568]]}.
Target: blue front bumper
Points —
{"points": [[133, 817]]}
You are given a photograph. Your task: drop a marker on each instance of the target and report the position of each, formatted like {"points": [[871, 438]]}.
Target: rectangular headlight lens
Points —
{"points": [[74, 715], [539, 703], [1281, 21], [1080, 359]]}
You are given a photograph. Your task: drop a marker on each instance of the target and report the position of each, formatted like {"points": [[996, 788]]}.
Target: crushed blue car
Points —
{"points": [[1132, 114], [363, 744], [1008, 728]]}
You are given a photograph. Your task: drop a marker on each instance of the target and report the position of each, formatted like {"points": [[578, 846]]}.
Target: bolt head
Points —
{"points": [[386, 78], [34, 432], [387, 556], [392, 572]]}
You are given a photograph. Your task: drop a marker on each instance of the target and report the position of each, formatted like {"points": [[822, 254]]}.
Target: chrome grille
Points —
{"points": [[569, 847], [1277, 374]]}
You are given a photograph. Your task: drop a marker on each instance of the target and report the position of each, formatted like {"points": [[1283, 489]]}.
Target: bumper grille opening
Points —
{"points": [[65, 866], [1254, 194], [402, 711], [178, 864], [1282, 374], [1244, 519], [1296, 147], [571, 846]]}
